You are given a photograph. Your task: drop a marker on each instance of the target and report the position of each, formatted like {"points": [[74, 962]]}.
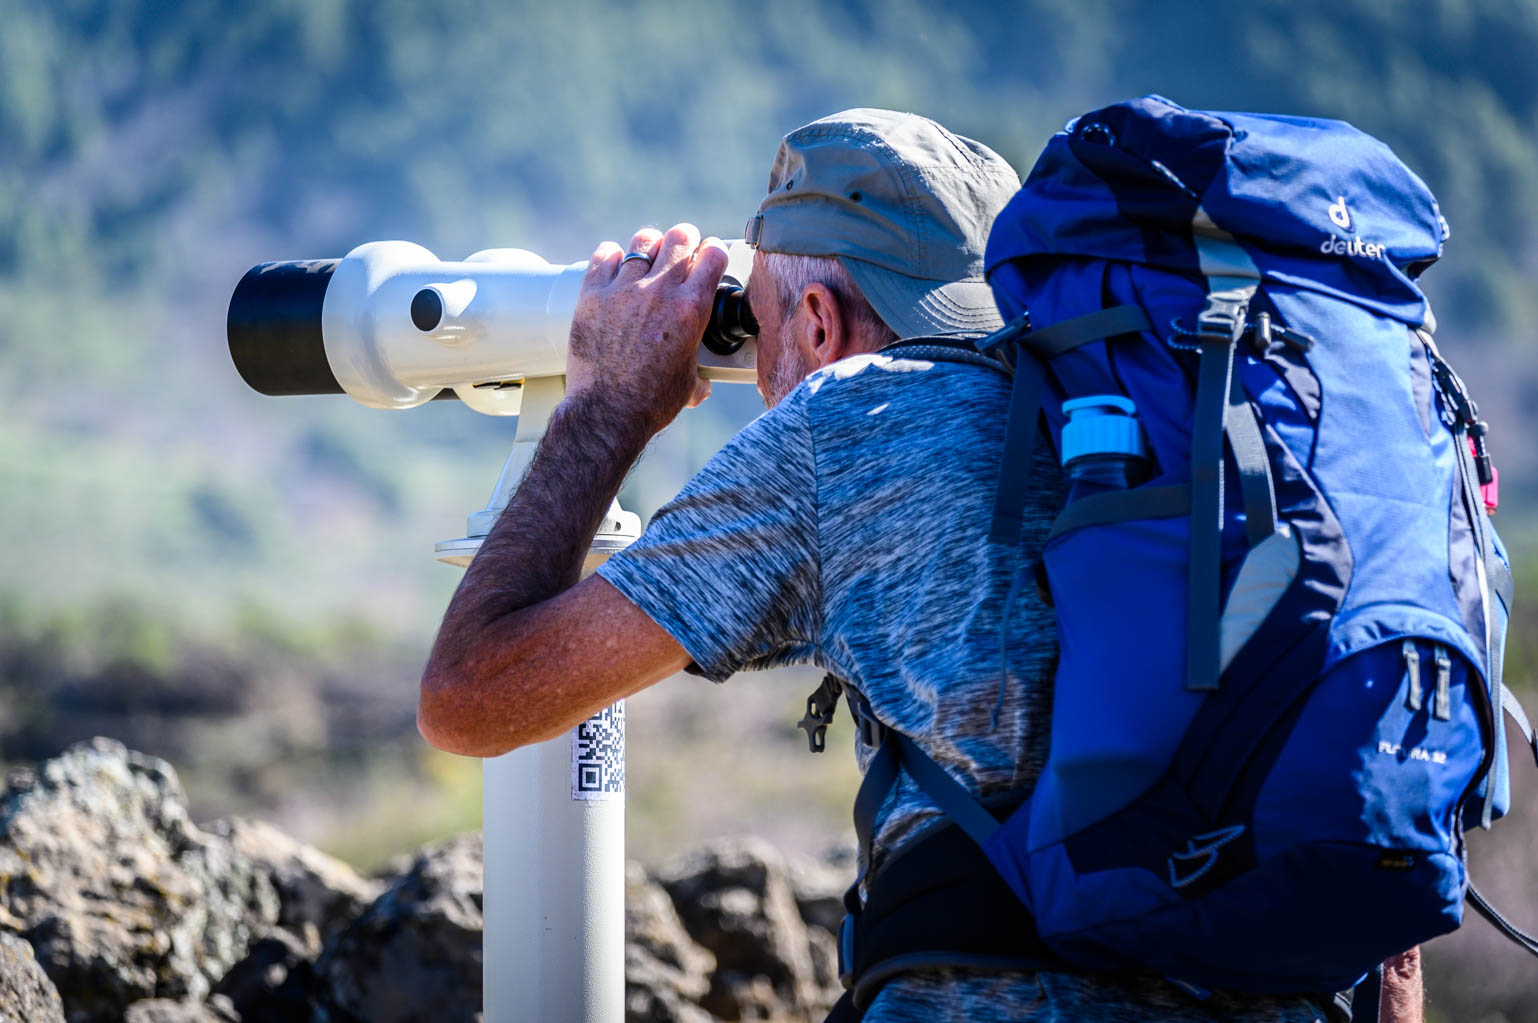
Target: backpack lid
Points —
{"points": [[1316, 203]]}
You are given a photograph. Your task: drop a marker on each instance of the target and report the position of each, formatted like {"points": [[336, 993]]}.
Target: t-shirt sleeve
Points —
{"points": [[729, 567]]}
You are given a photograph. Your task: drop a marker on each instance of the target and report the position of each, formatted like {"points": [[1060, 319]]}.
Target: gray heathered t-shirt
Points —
{"points": [[847, 527]]}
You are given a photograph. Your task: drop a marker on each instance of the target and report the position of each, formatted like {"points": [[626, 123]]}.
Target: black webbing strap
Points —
{"points": [[1032, 351], [1019, 439], [895, 751], [1050, 342], [879, 778], [1122, 505], [1254, 467], [1203, 625], [948, 794]]}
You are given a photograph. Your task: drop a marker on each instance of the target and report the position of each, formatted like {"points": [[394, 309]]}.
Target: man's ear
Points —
{"points": [[823, 334]]}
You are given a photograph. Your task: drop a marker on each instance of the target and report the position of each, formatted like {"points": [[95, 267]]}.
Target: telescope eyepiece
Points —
{"points": [[732, 323]]}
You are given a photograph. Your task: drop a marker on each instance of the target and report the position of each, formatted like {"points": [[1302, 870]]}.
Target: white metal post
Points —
{"points": [[553, 816]]}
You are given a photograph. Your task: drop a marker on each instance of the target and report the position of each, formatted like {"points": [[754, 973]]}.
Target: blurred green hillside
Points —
{"points": [[245, 584], [150, 152]]}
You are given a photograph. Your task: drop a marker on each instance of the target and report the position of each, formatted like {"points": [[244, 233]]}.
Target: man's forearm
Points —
{"points": [[537, 546], [1403, 999]]}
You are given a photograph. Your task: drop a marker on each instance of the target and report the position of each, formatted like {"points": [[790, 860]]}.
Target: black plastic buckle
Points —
{"points": [[1014, 328], [1465, 413], [821, 707]]}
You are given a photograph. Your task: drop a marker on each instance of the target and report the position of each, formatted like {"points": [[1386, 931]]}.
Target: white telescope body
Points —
{"points": [[393, 326]]}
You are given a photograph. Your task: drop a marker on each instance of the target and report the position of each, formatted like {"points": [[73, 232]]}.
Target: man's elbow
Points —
{"points": [[446, 720], [454, 724]]}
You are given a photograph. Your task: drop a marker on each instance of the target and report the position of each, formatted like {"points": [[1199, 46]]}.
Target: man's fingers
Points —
{"points": [[677, 247], [645, 240], [601, 268], [709, 266]]}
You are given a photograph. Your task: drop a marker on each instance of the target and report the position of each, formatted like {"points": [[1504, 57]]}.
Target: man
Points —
{"points": [[845, 527]]}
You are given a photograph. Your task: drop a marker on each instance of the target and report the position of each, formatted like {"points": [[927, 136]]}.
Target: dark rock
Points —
{"points": [[415, 953], [120, 895], [26, 993], [665, 971], [735, 899], [819, 887], [276, 982], [167, 1010], [313, 888]]}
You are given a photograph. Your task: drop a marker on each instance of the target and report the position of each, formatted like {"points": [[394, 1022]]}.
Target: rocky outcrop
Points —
{"points": [[314, 890], [736, 900], [166, 1010], [26, 993], [666, 973], [136, 914], [120, 895], [415, 953]]}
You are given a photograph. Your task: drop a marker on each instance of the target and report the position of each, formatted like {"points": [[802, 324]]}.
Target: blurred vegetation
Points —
{"points": [[246, 585]]}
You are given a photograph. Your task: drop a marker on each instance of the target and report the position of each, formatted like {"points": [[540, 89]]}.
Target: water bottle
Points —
{"points": [[1102, 445]]}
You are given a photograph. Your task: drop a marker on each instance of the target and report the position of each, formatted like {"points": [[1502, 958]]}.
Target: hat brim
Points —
{"points": [[915, 307]]}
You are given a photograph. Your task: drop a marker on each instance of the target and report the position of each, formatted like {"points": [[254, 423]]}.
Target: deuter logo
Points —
{"points": [[1339, 215], [1351, 247]]}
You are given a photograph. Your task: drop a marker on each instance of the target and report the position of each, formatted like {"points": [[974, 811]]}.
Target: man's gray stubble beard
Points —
{"points": [[789, 369]]}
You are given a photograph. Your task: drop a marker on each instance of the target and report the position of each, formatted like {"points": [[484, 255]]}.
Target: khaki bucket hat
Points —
{"points": [[903, 204]]}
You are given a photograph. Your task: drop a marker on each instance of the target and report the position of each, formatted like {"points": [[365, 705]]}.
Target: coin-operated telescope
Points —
{"points": [[392, 327]]}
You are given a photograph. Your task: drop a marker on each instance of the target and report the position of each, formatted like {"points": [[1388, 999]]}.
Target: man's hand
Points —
{"points": [[637, 326]]}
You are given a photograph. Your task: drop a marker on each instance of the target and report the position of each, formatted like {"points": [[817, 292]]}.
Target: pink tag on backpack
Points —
{"points": [[1490, 492]]}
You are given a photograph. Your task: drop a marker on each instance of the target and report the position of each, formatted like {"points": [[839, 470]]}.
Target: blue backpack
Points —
{"points": [[1279, 697]]}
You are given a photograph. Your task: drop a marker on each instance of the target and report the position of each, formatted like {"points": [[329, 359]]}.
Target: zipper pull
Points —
{"points": [[1442, 709], [1414, 699]]}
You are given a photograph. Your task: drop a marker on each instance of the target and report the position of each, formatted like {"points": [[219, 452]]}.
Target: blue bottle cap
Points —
{"points": [[1101, 424]]}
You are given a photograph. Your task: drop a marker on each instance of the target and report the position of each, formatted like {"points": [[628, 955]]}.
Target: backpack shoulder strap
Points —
{"points": [[943, 349]]}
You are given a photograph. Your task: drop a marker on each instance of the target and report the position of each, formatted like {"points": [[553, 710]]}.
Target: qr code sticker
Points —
{"points": [[598, 756]]}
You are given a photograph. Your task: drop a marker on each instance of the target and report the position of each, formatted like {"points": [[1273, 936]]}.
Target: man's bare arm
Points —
{"points": [[525, 651], [1403, 998]]}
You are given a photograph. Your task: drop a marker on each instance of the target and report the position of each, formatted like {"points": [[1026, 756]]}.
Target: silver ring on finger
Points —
{"points": [[643, 256]]}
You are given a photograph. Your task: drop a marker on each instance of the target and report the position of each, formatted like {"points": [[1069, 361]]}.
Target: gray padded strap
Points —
{"points": [[1203, 631], [1122, 506], [1050, 342], [1249, 450]]}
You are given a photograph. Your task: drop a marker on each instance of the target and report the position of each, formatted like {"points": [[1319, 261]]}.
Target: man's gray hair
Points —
{"points": [[792, 273]]}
